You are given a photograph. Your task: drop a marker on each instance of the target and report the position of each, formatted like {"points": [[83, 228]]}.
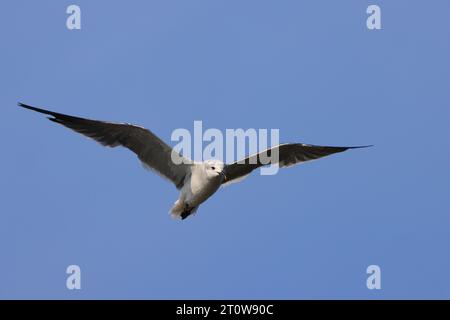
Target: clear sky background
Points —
{"points": [[309, 68]]}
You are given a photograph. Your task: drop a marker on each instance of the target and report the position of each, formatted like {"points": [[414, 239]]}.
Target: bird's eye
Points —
{"points": [[214, 168]]}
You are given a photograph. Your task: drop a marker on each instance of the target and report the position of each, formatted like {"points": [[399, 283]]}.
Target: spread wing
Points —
{"points": [[289, 154], [150, 149]]}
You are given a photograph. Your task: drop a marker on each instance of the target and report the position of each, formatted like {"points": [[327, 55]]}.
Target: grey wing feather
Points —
{"points": [[150, 149], [288, 154]]}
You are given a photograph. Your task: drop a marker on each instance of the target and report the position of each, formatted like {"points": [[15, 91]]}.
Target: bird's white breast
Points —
{"points": [[199, 187]]}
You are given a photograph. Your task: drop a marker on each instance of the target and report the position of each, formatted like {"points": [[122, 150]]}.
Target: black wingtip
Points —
{"points": [[360, 147], [23, 105], [26, 106]]}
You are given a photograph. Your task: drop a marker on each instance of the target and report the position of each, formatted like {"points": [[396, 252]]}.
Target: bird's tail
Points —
{"points": [[180, 211]]}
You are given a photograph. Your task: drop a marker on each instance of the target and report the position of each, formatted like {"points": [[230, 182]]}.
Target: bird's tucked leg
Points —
{"points": [[187, 211]]}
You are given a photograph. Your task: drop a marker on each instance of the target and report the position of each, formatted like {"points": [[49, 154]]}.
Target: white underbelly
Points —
{"points": [[194, 194]]}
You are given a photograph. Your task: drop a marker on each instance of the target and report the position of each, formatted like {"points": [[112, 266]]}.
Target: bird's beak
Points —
{"points": [[224, 177]]}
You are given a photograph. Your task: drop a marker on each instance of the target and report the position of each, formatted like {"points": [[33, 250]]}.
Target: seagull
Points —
{"points": [[197, 181]]}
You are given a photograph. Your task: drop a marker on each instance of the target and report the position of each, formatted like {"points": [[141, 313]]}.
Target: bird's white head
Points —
{"points": [[214, 168]]}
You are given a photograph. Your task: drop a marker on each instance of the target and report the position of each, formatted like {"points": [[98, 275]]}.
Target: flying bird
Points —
{"points": [[197, 181]]}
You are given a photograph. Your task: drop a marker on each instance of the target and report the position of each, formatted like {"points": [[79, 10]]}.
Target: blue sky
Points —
{"points": [[309, 68]]}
